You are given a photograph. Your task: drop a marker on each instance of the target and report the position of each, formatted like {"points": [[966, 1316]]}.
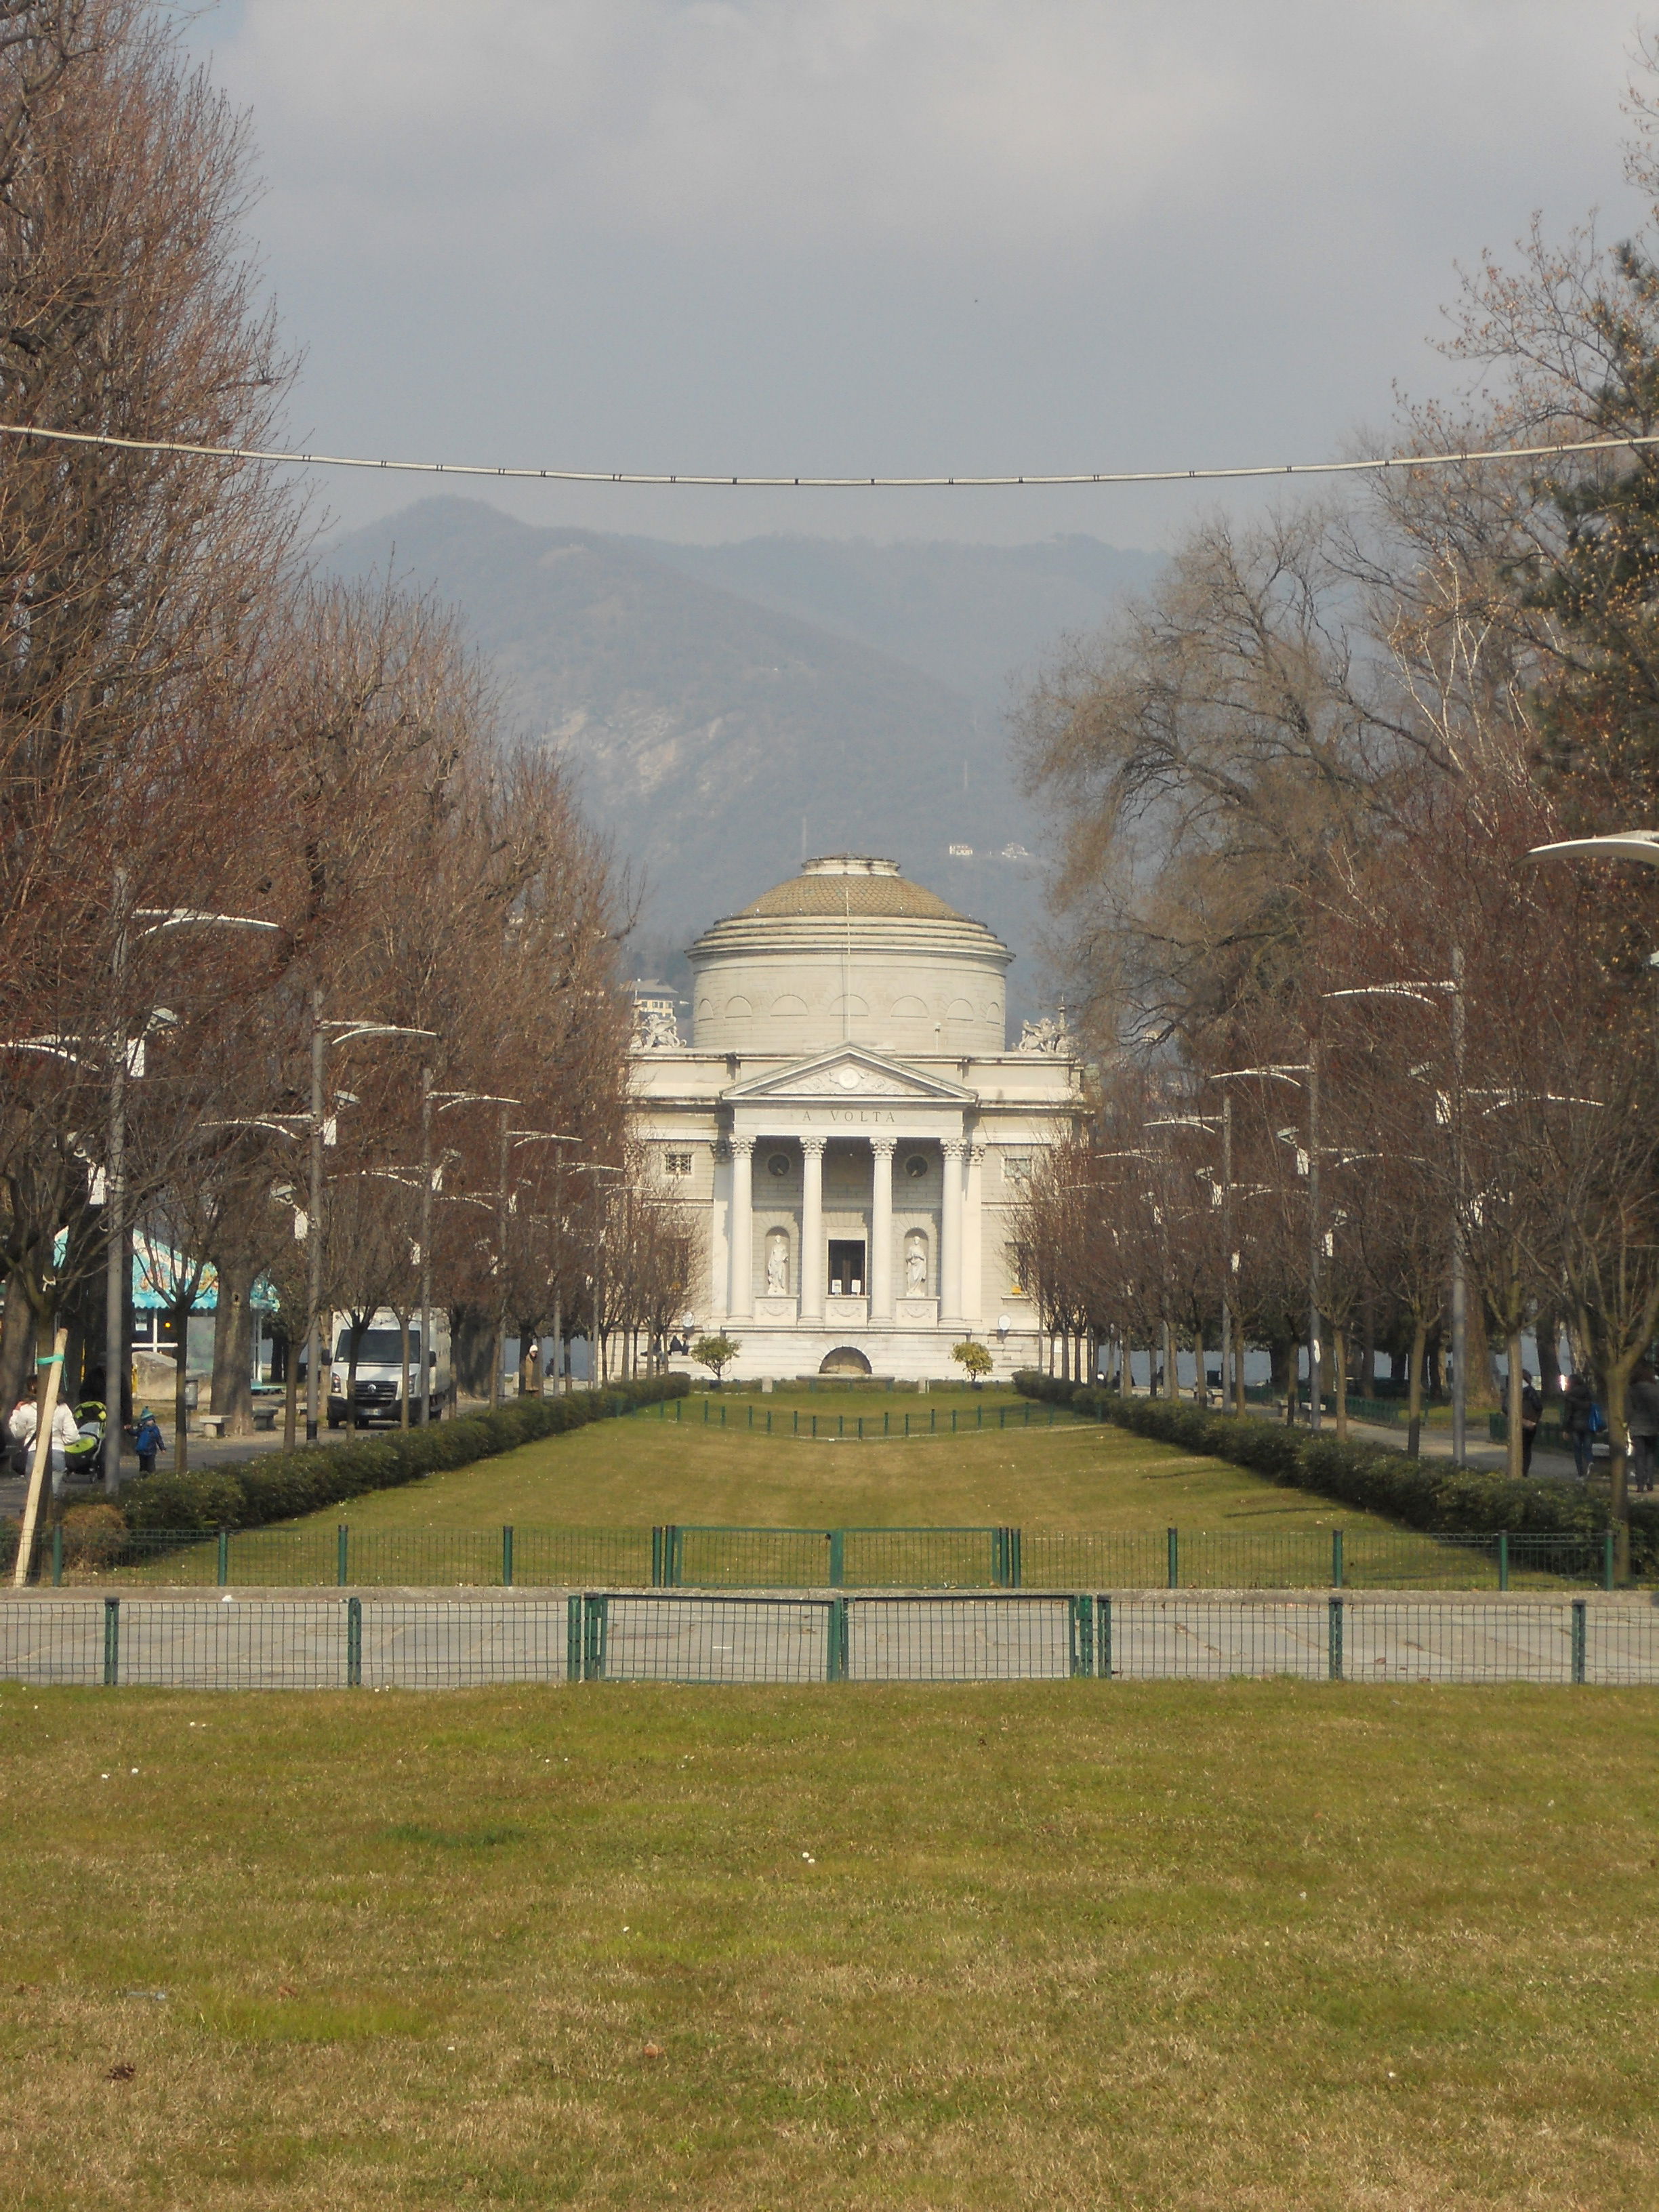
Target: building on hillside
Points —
{"points": [[850, 1126]]}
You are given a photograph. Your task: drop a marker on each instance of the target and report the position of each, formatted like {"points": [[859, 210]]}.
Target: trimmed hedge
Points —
{"points": [[251, 1493], [1420, 1493]]}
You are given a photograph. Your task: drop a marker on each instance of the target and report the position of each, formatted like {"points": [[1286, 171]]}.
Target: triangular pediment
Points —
{"points": [[852, 1075]]}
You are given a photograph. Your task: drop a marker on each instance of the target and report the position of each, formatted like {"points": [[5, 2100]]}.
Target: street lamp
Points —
{"points": [[158, 921], [347, 1032], [1293, 1072]]}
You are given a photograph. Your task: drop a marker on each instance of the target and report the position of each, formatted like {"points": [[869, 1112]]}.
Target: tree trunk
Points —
{"points": [[233, 1342], [1340, 1376], [1200, 1381], [471, 1341], [1549, 1358], [402, 1370], [180, 1409], [17, 1345], [1513, 1398], [1414, 1390]]}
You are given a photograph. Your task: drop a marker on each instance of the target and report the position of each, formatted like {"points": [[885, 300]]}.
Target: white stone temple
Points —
{"points": [[851, 1127]]}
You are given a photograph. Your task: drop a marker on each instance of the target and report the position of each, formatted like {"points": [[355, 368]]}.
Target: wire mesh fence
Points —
{"points": [[707, 1410], [674, 1556], [642, 1636]]}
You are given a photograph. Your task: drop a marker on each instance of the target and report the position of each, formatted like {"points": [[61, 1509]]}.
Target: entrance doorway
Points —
{"points": [[846, 1266]]}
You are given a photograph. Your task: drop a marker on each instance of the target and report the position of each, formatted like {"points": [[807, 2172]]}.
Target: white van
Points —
{"points": [[381, 1378]]}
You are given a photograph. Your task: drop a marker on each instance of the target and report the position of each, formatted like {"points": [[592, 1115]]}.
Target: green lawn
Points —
{"points": [[636, 1472], [1247, 1945]]}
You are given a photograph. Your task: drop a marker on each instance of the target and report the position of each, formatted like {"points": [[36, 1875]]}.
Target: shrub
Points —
{"points": [[93, 1534], [1420, 1493], [285, 1485]]}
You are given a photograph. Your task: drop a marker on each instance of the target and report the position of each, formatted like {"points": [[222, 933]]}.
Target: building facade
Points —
{"points": [[850, 1128]]}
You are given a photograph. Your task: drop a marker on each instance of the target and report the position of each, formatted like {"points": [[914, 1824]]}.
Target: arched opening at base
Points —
{"points": [[845, 1359]]}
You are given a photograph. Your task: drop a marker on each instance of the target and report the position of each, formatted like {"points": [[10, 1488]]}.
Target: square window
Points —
{"points": [[677, 1164], [1016, 1167]]}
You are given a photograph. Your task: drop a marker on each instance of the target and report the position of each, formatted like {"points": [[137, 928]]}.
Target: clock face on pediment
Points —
{"points": [[850, 1078]]}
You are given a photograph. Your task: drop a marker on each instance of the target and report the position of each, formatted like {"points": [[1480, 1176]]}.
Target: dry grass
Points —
{"points": [[633, 1473], [1250, 1945]]}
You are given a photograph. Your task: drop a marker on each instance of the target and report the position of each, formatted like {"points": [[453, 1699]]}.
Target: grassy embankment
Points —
{"points": [[1246, 1945], [642, 1470]]}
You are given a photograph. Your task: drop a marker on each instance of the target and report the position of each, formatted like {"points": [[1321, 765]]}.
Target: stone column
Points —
{"points": [[949, 1235], [741, 1237], [813, 1266], [881, 1229], [973, 1240]]}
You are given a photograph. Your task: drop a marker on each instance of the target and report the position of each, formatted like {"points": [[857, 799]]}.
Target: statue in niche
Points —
{"points": [[915, 1266], [777, 1265]]}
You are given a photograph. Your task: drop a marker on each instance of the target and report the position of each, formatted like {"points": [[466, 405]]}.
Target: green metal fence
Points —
{"points": [[674, 1556], [707, 1410], [352, 1642]]}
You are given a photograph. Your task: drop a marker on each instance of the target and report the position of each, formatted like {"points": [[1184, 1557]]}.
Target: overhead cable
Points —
{"points": [[1462, 458]]}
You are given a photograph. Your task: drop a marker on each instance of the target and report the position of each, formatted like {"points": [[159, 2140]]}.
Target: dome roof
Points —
{"points": [[846, 883]]}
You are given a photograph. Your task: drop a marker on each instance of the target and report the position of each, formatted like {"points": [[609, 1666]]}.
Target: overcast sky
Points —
{"points": [[883, 236]]}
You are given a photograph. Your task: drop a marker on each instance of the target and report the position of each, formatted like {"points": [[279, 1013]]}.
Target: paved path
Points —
{"points": [[412, 1640]]}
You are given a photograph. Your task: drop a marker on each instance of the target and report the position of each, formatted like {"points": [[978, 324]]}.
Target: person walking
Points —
{"points": [[1642, 1419], [1532, 1412], [1577, 1418]]}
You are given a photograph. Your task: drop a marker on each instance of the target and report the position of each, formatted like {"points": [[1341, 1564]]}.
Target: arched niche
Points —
{"points": [[917, 1271], [777, 1263], [845, 1359]]}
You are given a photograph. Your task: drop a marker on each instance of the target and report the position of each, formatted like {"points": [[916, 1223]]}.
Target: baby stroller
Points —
{"points": [[83, 1460]]}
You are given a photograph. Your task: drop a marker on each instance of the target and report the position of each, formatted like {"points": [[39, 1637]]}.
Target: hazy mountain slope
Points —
{"points": [[718, 739], [978, 617]]}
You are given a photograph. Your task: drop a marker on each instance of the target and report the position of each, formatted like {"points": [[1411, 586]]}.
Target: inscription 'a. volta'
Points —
{"points": [[847, 1114]]}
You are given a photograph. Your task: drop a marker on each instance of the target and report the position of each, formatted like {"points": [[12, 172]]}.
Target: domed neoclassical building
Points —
{"points": [[851, 1126]]}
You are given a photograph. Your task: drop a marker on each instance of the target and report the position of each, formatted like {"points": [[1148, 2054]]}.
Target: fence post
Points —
{"points": [[573, 1639], [1015, 1569], [353, 1644], [1173, 1547], [112, 1642], [342, 1554], [1336, 1558], [1082, 1611], [1503, 1559], [659, 1568], [506, 1555], [1580, 1623], [1333, 1640], [835, 1642], [907, 1428], [57, 1556], [837, 1557], [1607, 1559], [595, 1612], [1103, 1638], [224, 1558]]}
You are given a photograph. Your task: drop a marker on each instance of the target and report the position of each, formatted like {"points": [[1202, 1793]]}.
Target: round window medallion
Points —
{"points": [[847, 1077], [916, 1165], [778, 1164]]}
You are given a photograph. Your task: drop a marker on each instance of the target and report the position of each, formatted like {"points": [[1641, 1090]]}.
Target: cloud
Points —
{"points": [[894, 233], [944, 125]]}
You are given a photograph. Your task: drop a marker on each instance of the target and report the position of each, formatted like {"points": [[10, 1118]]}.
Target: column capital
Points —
{"points": [[813, 1145], [740, 1143], [882, 1147], [953, 1148]]}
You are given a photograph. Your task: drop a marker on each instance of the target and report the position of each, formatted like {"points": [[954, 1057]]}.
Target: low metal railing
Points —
{"points": [[353, 1642]]}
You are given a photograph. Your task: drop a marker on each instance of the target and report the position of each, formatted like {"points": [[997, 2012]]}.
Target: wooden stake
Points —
{"points": [[47, 1407]]}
